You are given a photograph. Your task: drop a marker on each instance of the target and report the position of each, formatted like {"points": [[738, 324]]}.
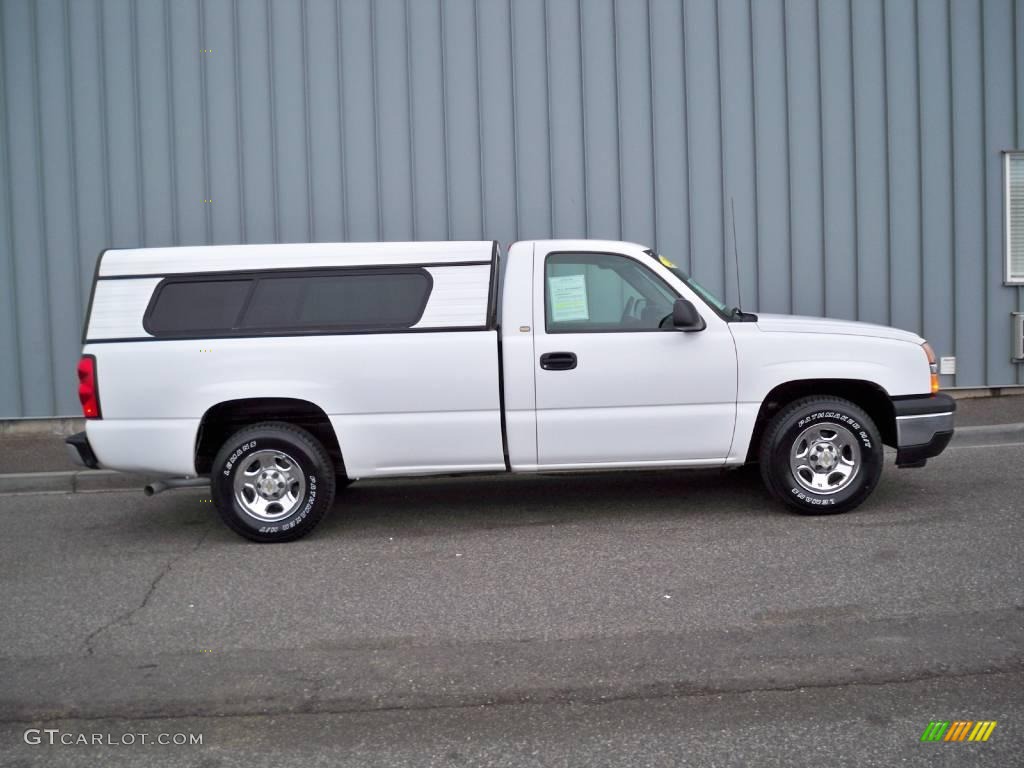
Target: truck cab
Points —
{"points": [[601, 377]]}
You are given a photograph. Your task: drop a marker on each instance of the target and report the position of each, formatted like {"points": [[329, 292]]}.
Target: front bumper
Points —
{"points": [[924, 427], [80, 451]]}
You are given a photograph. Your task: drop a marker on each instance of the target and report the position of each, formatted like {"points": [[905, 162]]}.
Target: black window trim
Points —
{"points": [[254, 277], [493, 297], [653, 274]]}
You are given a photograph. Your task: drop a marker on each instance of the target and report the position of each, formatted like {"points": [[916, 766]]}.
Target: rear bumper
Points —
{"points": [[80, 451], [924, 427]]}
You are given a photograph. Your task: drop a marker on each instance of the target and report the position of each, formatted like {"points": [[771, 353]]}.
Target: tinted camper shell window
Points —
{"points": [[289, 302]]}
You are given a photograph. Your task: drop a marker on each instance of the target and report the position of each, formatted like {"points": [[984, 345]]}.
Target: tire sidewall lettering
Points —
{"points": [[842, 419], [298, 517], [236, 455], [817, 501]]}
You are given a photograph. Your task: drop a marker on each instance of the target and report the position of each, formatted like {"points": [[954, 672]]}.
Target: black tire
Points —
{"points": [[852, 428], [298, 462]]}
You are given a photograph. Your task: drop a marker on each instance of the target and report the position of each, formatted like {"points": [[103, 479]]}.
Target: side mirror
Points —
{"points": [[686, 318]]}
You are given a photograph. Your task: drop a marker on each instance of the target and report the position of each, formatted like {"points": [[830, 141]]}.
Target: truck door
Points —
{"points": [[613, 388]]}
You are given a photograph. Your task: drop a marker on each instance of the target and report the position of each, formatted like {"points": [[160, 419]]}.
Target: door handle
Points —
{"points": [[558, 361]]}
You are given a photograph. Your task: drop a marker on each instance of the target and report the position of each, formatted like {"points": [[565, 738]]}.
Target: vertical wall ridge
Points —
{"points": [[726, 191], [141, 202], [618, 113], [341, 124], [11, 344], [376, 119], [444, 117], [789, 159], [239, 134], [275, 184], [172, 143], [414, 228], [984, 169], [583, 119], [952, 170], [204, 100], [653, 128], [76, 237], [821, 156], [310, 200], [888, 167], [46, 285], [920, 161], [104, 121], [686, 142]]}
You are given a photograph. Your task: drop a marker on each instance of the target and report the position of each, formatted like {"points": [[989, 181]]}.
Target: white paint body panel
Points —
{"points": [[401, 403], [144, 445], [518, 358], [635, 398], [429, 401], [118, 307], [832, 326], [458, 298], [769, 358], [225, 258]]}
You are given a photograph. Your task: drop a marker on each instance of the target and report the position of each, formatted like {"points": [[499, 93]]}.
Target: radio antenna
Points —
{"points": [[736, 254]]}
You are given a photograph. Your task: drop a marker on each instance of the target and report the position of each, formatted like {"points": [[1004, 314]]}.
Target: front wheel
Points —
{"points": [[821, 456], [272, 482]]}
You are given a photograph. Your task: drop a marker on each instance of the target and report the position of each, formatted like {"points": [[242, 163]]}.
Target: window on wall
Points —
{"points": [[588, 292], [1015, 217]]}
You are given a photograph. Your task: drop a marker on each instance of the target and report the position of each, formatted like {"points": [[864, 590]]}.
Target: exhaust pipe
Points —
{"points": [[159, 486]]}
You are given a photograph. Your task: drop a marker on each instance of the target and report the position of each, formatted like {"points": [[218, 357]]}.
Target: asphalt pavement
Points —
{"points": [[611, 619]]}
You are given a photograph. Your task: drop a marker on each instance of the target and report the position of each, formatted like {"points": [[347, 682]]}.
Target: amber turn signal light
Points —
{"points": [[933, 366]]}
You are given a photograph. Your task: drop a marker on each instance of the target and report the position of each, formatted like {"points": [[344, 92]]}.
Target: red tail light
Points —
{"points": [[88, 391]]}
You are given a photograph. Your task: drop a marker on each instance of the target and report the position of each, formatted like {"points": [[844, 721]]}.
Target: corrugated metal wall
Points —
{"points": [[859, 139]]}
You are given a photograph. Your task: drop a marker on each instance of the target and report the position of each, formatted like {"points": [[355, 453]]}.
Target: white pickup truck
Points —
{"points": [[278, 373]]}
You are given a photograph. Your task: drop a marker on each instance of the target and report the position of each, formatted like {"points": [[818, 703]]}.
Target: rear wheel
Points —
{"points": [[272, 482], [821, 456]]}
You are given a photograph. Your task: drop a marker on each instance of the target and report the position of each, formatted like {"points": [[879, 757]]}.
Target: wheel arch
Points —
{"points": [[867, 395], [223, 419]]}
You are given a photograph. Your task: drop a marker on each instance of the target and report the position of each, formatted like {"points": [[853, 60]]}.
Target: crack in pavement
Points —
{"points": [[125, 617], [316, 687], [591, 697]]}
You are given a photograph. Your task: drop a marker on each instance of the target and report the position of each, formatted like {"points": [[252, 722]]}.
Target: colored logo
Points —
{"points": [[958, 730]]}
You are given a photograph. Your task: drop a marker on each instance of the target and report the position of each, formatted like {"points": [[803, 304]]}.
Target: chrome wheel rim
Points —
{"points": [[825, 458], [269, 485]]}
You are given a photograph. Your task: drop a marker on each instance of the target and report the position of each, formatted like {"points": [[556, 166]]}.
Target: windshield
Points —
{"points": [[710, 299]]}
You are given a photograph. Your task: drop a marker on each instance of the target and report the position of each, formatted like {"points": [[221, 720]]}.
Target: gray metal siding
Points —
{"points": [[860, 141]]}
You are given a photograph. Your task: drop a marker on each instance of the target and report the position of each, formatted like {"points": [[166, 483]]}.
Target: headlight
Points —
{"points": [[933, 365]]}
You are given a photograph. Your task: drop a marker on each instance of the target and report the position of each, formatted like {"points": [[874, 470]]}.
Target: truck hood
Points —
{"points": [[800, 324]]}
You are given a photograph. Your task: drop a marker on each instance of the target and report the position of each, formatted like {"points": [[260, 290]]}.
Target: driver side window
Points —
{"points": [[593, 292]]}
